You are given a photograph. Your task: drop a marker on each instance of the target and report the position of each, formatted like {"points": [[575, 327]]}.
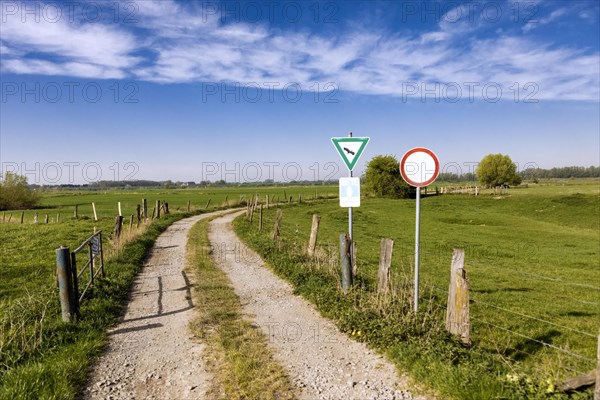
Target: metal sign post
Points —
{"points": [[419, 167], [350, 150]]}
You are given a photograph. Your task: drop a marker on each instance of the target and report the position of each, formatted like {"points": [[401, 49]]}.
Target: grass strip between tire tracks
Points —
{"points": [[236, 353]]}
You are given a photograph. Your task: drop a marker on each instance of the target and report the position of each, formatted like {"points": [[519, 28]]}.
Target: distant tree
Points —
{"points": [[497, 170], [382, 178], [15, 194]]}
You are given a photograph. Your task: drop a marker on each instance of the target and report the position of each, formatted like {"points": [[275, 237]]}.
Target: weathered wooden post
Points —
{"points": [[138, 212], [157, 209], [22, 216], [290, 200], [300, 198], [457, 314], [94, 209], [145, 210], [118, 226], [65, 283], [35, 218], [314, 231], [354, 267], [597, 389], [260, 219], [76, 213], [346, 257], [166, 207], [9, 217], [278, 216], [385, 262], [226, 202], [188, 205], [46, 219], [207, 204], [57, 218]]}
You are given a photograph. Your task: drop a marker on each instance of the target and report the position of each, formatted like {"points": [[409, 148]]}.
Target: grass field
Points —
{"points": [[39, 356], [27, 258], [532, 259]]}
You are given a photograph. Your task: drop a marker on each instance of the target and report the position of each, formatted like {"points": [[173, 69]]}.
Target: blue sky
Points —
{"points": [[247, 91]]}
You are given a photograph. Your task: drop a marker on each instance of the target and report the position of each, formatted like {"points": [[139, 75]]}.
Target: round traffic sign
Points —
{"points": [[419, 167]]}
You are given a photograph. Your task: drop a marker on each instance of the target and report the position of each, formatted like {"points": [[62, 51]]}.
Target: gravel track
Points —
{"points": [[151, 353], [322, 362]]}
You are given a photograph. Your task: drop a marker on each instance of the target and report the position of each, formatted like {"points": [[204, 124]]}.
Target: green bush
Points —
{"points": [[15, 194]]}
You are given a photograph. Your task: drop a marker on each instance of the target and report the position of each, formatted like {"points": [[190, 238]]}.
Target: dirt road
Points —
{"points": [[152, 354], [322, 362]]}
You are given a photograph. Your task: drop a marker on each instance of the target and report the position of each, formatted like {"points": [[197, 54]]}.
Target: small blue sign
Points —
{"points": [[350, 192]]}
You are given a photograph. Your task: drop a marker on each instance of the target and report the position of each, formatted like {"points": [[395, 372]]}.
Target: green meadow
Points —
{"points": [[42, 358], [532, 258]]}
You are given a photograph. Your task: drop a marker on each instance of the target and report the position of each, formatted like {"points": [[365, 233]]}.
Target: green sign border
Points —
{"points": [[336, 143]]}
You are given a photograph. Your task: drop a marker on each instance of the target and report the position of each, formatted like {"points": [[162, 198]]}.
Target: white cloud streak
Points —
{"points": [[174, 43]]}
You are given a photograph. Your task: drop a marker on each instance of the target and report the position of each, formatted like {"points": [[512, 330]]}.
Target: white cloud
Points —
{"points": [[190, 45], [530, 25]]}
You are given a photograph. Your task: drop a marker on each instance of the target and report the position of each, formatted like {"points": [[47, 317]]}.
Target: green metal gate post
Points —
{"points": [[65, 283]]}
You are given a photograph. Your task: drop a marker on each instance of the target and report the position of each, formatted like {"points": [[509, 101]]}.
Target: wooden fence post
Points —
{"points": [[35, 218], [153, 212], [207, 204], [290, 201], [94, 209], [314, 231], [57, 218], [226, 202], [157, 209], [346, 264], [277, 224], [22, 216], [385, 262], [46, 219], [188, 206], [9, 217], [166, 207], [457, 314], [138, 211], [145, 210], [118, 226], [354, 267], [300, 198], [260, 219], [597, 389]]}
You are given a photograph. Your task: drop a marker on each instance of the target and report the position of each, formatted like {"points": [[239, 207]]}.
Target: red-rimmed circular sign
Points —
{"points": [[419, 167]]}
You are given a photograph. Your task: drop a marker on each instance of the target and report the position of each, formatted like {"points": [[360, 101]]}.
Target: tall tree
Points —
{"points": [[382, 178], [497, 170]]}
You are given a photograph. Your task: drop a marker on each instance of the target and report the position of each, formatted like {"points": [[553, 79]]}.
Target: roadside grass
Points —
{"points": [[43, 358], [236, 352], [535, 277], [39, 356]]}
